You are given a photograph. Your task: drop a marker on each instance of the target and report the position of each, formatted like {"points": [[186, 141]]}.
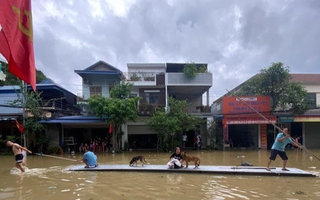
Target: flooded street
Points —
{"points": [[48, 179]]}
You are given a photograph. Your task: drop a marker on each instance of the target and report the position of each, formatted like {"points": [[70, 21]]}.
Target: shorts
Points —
{"points": [[19, 158], [274, 154]]}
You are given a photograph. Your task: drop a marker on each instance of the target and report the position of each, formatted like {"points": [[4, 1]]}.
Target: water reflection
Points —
{"points": [[48, 178]]}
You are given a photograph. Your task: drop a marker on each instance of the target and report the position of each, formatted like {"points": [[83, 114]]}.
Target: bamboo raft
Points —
{"points": [[205, 169]]}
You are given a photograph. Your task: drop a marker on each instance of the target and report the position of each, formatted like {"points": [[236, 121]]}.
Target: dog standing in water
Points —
{"points": [[136, 159], [187, 159], [17, 151]]}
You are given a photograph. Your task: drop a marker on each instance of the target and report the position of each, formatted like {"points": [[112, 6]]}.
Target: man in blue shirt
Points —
{"points": [[278, 147], [90, 159]]}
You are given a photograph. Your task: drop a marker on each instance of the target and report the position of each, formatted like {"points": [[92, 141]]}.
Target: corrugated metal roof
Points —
{"points": [[74, 120]]}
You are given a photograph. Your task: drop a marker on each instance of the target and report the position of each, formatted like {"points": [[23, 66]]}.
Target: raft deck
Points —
{"points": [[205, 169]]}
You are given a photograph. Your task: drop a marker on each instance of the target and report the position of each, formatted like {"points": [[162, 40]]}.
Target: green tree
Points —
{"points": [[275, 82], [169, 125], [116, 110], [215, 133], [33, 103], [13, 80]]}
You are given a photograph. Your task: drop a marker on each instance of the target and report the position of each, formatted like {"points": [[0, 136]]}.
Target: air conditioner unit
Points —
{"points": [[86, 80]]}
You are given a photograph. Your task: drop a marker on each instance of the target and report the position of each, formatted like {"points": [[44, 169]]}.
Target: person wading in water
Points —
{"points": [[17, 151]]}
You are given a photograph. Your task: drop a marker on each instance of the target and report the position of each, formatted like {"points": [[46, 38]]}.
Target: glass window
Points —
{"points": [[95, 90], [312, 100], [152, 98]]}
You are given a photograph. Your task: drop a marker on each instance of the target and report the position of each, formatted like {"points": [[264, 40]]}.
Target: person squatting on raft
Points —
{"points": [[18, 154], [278, 147], [175, 160], [90, 159]]}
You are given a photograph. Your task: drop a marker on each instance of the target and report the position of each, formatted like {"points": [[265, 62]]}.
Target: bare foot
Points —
{"points": [[285, 169], [268, 169]]}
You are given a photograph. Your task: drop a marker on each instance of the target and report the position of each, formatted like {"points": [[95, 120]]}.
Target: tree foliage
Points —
{"points": [[275, 82], [215, 134], [33, 103], [190, 70], [169, 124], [13, 80], [116, 110]]}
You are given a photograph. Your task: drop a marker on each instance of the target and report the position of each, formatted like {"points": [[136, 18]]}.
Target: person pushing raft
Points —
{"points": [[18, 154]]}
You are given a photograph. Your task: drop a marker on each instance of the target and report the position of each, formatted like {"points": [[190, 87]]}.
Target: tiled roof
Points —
{"points": [[305, 78]]}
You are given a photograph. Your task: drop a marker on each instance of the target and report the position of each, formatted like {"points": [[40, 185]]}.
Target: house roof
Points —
{"points": [[305, 78], [100, 68], [9, 93], [99, 63]]}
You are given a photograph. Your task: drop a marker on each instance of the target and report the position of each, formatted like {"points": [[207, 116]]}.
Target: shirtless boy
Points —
{"points": [[17, 151]]}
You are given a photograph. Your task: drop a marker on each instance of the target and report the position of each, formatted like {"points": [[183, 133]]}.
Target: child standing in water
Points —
{"points": [[17, 151]]}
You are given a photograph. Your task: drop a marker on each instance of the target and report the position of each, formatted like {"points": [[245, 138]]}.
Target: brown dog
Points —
{"points": [[136, 159], [187, 159]]}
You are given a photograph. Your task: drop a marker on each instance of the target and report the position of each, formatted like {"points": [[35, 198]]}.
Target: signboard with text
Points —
{"points": [[306, 119], [250, 120], [233, 105], [263, 136]]}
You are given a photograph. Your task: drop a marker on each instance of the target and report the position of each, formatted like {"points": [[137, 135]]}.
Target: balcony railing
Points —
{"points": [[140, 76], [149, 109], [202, 79]]}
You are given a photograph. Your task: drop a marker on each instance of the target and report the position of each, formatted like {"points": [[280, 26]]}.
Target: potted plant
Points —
{"points": [[190, 70], [135, 77]]}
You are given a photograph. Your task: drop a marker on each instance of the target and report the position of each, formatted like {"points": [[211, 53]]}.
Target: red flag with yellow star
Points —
{"points": [[16, 39]]}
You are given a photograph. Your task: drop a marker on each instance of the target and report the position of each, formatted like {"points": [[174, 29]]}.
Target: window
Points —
{"points": [[152, 98], [312, 97], [95, 90]]}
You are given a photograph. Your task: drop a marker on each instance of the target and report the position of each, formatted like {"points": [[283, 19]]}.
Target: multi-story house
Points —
{"points": [[251, 130], [97, 79], [155, 83]]}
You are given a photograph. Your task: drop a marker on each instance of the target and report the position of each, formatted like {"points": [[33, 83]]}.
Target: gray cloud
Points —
{"points": [[235, 38]]}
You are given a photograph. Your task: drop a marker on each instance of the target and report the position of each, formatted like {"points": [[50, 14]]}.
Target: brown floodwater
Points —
{"points": [[47, 178]]}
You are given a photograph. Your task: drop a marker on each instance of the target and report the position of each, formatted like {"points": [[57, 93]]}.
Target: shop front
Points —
{"points": [[247, 131]]}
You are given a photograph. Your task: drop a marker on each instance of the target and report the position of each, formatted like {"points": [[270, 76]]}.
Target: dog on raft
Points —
{"points": [[136, 159], [187, 159]]}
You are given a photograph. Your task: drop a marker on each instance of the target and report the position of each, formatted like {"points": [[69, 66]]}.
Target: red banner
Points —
{"points": [[110, 128], [20, 127], [16, 39], [263, 136]]}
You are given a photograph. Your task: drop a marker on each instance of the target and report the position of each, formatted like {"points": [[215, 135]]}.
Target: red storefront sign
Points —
{"points": [[234, 105]]}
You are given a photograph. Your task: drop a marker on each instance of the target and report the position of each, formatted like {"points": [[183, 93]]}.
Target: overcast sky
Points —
{"points": [[236, 38]]}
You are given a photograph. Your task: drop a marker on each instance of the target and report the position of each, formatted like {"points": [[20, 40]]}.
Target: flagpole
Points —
{"points": [[24, 112]]}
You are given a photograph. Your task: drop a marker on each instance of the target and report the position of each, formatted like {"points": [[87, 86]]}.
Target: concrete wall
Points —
{"points": [[311, 132]]}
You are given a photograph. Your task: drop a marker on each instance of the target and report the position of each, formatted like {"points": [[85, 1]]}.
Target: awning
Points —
{"points": [[74, 120]]}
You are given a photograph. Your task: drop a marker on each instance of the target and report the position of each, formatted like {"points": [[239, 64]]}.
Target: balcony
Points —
{"points": [[142, 78], [199, 110], [149, 109], [180, 79]]}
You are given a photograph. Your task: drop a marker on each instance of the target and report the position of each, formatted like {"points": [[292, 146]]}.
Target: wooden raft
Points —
{"points": [[205, 169]]}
